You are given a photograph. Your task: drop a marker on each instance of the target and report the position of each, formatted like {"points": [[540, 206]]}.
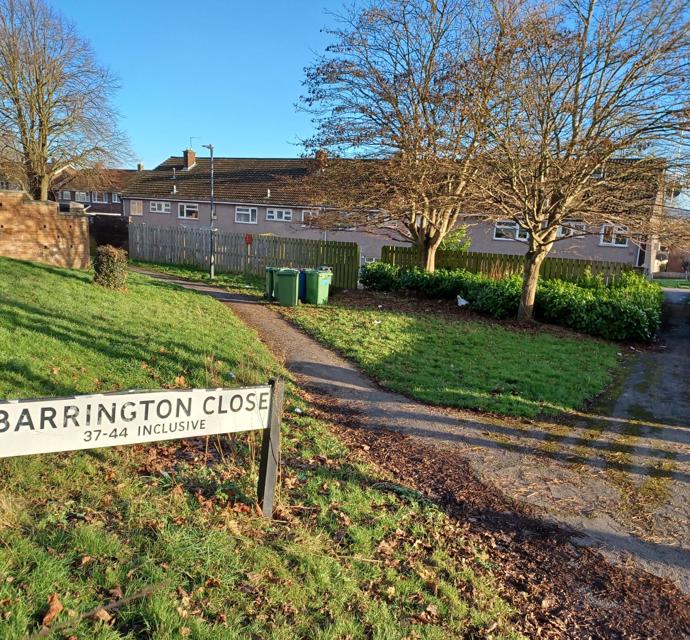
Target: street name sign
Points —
{"points": [[134, 417]]}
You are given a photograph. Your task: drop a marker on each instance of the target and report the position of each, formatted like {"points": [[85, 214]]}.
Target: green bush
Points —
{"points": [[497, 298], [110, 266], [627, 308], [456, 240], [379, 276]]}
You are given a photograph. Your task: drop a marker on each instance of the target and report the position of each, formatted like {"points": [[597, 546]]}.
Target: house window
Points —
{"points": [[509, 230], [279, 215], [66, 195], [570, 229], [245, 215], [188, 210], [613, 235], [308, 216], [99, 196], [81, 196], [159, 207], [136, 208], [115, 198]]}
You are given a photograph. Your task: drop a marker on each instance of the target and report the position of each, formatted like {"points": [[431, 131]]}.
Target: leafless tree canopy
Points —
{"points": [[401, 85], [549, 114], [592, 106], [55, 105]]}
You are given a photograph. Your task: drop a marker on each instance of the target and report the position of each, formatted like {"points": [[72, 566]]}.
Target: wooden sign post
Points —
{"points": [[270, 450], [29, 427]]}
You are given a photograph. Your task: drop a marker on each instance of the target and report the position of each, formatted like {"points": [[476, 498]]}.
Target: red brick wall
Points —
{"points": [[37, 231]]}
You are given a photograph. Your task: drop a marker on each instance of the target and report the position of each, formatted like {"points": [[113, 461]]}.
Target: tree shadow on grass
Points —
{"points": [[98, 336], [39, 269], [389, 411]]}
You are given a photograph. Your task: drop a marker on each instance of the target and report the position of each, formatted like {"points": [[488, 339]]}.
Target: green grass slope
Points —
{"points": [[169, 532]]}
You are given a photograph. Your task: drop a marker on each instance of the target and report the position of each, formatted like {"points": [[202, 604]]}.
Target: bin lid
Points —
{"points": [[325, 268], [288, 272]]}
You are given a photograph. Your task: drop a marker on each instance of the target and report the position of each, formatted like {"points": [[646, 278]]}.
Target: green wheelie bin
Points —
{"points": [[287, 287], [318, 285]]}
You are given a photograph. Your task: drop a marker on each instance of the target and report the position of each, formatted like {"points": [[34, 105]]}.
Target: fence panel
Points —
{"points": [[496, 265], [185, 246]]}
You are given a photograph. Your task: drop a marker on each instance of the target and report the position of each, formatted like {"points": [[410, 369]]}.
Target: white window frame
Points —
{"points": [[115, 198], [252, 212], [306, 215], [95, 197], [513, 228], [65, 195], [136, 207], [571, 229], [81, 196], [617, 230], [159, 206], [279, 215], [183, 208]]}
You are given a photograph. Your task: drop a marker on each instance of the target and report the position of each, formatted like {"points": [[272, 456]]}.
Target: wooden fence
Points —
{"points": [[184, 246], [496, 265]]}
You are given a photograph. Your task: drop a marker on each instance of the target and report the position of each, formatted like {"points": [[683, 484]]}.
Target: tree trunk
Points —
{"points": [[45, 183], [533, 260], [38, 185], [429, 257]]}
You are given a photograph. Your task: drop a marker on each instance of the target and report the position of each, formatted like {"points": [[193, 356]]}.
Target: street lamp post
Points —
{"points": [[212, 256]]}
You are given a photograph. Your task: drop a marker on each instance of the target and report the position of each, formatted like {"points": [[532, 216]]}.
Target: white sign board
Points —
{"points": [[114, 419]]}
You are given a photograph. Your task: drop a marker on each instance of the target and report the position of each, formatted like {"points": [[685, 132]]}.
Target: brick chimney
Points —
{"points": [[189, 156], [140, 166]]}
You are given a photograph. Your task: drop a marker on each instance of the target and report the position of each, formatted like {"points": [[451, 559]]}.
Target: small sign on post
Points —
{"points": [[29, 427]]}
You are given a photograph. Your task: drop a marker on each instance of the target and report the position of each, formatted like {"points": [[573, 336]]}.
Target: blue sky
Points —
{"points": [[226, 71]]}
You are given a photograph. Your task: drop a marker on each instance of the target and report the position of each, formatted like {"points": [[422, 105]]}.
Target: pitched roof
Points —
{"points": [[93, 179], [235, 180]]}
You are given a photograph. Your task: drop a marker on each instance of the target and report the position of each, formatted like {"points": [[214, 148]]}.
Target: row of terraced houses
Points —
{"points": [[262, 196]]}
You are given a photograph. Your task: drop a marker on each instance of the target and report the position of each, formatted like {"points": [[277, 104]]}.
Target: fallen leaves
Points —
{"points": [[102, 615], [54, 609]]}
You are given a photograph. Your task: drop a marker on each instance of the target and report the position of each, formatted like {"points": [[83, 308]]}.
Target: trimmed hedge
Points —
{"points": [[110, 267], [629, 308]]}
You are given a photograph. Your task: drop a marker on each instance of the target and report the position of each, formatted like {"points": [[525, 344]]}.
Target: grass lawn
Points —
{"points": [[241, 283], [172, 529], [465, 363], [679, 283]]}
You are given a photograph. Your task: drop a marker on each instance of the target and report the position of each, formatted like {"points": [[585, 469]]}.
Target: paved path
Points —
{"points": [[573, 478]]}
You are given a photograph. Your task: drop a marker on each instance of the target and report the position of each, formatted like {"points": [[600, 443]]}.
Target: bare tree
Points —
{"points": [[395, 103], [594, 96], [55, 108]]}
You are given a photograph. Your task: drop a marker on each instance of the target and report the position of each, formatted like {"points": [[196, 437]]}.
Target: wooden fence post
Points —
{"points": [[270, 450]]}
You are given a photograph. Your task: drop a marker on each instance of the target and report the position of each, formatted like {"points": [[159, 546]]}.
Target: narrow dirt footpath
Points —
{"points": [[570, 483]]}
